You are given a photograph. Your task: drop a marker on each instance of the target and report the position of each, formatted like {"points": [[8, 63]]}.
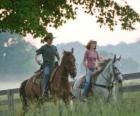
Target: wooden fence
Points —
{"points": [[11, 101], [131, 88]]}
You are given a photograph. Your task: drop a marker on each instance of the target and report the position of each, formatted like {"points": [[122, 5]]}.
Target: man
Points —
{"points": [[48, 52]]}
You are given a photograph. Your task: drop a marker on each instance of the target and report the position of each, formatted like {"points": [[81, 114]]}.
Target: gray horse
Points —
{"points": [[105, 82]]}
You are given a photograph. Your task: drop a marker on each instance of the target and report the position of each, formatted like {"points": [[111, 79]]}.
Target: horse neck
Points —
{"points": [[63, 70], [102, 77]]}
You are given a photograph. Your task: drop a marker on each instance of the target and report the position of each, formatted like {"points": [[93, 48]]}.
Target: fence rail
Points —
{"points": [[11, 101], [131, 76], [13, 91]]}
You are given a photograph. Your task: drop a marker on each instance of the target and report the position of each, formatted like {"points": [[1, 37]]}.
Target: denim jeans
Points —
{"points": [[46, 78], [87, 84]]}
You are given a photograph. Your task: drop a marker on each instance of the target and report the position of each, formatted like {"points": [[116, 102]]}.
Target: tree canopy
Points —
{"points": [[34, 16]]}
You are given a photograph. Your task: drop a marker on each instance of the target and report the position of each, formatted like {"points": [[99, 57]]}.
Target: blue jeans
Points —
{"points": [[46, 78], [87, 84]]}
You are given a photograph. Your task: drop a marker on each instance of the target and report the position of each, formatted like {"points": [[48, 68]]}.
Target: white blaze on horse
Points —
{"points": [[104, 83]]}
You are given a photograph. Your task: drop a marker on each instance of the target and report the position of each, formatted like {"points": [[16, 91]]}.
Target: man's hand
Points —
{"points": [[58, 57], [37, 61]]}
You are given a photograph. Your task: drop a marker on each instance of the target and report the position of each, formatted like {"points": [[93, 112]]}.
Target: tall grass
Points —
{"points": [[93, 107], [90, 108]]}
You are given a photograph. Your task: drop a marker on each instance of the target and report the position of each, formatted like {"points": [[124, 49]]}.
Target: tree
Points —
{"points": [[34, 16], [16, 57]]}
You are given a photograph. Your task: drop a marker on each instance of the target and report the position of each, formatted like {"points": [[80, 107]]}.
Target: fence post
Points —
{"points": [[10, 102]]}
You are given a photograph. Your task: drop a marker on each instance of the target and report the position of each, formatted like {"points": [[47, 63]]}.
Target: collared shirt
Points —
{"points": [[48, 54]]}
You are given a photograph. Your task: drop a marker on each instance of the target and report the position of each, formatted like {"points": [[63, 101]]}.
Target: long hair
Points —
{"points": [[89, 44]]}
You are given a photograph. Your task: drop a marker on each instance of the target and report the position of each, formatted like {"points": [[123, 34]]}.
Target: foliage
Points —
{"points": [[34, 16], [109, 12], [16, 57]]}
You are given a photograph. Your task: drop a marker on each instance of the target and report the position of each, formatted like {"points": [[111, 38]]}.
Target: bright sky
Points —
{"points": [[85, 28]]}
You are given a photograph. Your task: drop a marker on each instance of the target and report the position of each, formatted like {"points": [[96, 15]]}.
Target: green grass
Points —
{"points": [[91, 108], [4, 108], [126, 107], [131, 95]]}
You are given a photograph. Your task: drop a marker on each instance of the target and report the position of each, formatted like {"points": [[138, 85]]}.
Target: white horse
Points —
{"points": [[106, 84]]}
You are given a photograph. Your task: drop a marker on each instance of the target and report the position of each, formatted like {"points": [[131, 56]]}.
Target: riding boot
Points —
{"points": [[45, 93]]}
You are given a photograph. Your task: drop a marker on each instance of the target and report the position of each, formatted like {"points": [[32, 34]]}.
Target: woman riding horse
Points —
{"points": [[104, 83], [90, 58]]}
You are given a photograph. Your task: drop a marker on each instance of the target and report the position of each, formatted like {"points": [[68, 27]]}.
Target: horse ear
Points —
{"points": [[119, 58], [72, 50], [114, 58]]}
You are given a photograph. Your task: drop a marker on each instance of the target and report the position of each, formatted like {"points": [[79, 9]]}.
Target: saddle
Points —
{"points": [[38, 75], [53, 73], [83, 78], [82, 81]]}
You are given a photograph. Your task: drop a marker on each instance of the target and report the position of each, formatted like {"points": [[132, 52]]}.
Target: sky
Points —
{"points": [[85, 28]]}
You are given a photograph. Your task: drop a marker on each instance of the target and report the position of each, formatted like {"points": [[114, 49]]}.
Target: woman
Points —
{"points": [[90, 59]]}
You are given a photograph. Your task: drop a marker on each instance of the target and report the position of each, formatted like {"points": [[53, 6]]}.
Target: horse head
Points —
{"points": [[109, 72], [68, 62], [117, 73]]}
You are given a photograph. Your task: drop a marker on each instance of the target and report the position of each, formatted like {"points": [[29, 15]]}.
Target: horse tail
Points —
{"points": [[22, 94]]}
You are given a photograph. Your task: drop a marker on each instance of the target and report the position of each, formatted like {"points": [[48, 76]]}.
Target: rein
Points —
{"points": [[105, 86], [109, 88]]}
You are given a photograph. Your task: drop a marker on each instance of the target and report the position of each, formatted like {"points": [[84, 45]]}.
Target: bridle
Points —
{"points": [[66, 67], [111, 85]]}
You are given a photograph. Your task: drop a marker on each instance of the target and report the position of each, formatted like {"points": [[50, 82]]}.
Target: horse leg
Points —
{"points": [[23, 96], [55, 97], [66, 97]]}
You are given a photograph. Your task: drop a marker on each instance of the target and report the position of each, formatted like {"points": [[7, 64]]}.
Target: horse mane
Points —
{"points": [[104, 63], [102, 66]]}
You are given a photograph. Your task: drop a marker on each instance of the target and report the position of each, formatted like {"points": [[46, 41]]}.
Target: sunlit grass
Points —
{"points": [[94, 107], [128, 106], [90, 108]]}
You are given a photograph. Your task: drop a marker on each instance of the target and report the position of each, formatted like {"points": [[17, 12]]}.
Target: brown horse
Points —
{"points": [[59, 86]]}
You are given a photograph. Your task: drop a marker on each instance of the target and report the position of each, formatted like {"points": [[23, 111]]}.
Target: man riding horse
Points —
{"points": [[48, 52]]}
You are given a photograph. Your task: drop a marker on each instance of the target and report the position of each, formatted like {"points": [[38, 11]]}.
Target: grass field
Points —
{"points": [[91, 108], [128, 106]]}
